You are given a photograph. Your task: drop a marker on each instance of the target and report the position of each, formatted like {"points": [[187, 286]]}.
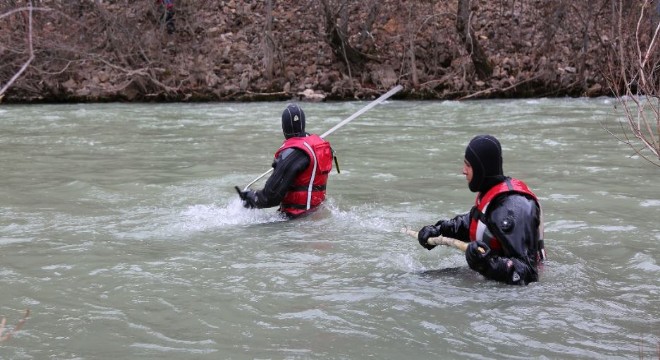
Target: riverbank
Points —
{"points": [[246, 51]]}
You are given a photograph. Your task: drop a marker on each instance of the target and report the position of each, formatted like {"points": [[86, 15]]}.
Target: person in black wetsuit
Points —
{"points": [[505, 226], [300, 170]]}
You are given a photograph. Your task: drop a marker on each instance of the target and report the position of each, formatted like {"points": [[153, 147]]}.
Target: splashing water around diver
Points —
{"points": [[204, 217], [183, 222]]}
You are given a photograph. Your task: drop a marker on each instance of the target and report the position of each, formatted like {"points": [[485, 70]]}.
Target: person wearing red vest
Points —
{"points": [[505, 226], [300, 170]]}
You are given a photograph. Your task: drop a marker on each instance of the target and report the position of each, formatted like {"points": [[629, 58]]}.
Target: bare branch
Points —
{"points": [[30, 58], [496, 90], [28, 8], [636, 71]]}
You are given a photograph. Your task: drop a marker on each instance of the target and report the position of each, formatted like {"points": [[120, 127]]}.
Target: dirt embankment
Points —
{"points": [[247, 50]]}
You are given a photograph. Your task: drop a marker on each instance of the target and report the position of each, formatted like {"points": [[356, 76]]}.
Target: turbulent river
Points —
{"points": [[122, 234]]}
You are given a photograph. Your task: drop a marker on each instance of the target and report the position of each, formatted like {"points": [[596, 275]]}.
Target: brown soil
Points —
{"points": [[88, 51]]}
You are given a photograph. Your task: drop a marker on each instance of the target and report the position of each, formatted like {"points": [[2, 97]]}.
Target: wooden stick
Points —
{"points": [[441, 240]]}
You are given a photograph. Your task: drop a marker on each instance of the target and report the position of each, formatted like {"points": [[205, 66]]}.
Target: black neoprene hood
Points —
{"points": [[293, 121], [484, 153]]}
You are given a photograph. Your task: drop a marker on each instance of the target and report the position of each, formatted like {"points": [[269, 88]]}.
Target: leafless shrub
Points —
{"points": [[29, 9], [634, 77], [482, 65], [336, 34]]}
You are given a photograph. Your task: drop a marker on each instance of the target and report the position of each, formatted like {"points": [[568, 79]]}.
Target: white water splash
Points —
{"points": [[205, 217]]}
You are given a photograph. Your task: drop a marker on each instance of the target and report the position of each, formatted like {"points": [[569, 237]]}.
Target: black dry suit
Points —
{"points": [[510, 228], [506, 219]]}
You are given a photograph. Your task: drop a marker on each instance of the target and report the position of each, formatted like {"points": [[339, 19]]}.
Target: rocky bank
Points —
{"points": [[93, 51]]}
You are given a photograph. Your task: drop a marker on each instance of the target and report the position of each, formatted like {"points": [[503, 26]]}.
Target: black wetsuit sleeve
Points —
{"points": [[287, 167], [457, 228], [514, 221]]}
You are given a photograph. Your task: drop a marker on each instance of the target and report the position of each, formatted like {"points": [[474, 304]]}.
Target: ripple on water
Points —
{"points": [[7, 241], [644, 262], [650, 203], [208, 276]]}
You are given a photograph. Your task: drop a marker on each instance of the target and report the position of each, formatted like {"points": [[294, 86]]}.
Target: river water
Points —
{"points": [[122, 233]]}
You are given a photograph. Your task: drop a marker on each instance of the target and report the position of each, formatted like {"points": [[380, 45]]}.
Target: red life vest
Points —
{"points": [[478, 229], [308, 189]]}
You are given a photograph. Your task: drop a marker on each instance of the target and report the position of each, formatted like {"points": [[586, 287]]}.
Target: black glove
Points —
{"points": [[517, 273], [427, 232], [249, 198], [477, 260]]}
